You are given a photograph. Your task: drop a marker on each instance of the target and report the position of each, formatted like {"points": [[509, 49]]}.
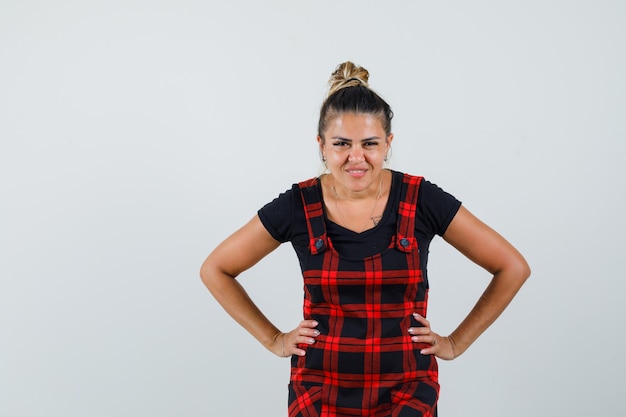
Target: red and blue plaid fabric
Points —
{"points": [[363, 363]]}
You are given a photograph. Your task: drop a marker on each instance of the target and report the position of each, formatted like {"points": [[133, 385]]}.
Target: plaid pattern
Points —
{"points": [[363, 363]]}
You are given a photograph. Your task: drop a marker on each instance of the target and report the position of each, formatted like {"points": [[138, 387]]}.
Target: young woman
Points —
{"points": [[361, 233]]}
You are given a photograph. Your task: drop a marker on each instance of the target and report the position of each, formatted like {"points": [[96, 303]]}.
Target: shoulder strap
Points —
{"points": [[405, 234], [314, 213]]}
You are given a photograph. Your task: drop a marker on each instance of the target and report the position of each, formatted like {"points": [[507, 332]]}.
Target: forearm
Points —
{"points": [[236, 254], [493, 301], [235, 300], [488, 249]]}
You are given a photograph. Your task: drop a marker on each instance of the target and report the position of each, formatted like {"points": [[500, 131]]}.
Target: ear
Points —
{"points": [[389, 140], [320, 142]]}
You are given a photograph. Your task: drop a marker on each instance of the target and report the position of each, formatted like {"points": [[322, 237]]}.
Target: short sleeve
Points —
{"points": [[277, 216], [437, 207]]}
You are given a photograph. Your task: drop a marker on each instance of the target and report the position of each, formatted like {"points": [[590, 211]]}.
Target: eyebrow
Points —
{"points": [[350, 140]]}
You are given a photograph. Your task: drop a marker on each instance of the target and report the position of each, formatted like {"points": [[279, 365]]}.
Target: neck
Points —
{"points": [[374, 191], [357, 211]]}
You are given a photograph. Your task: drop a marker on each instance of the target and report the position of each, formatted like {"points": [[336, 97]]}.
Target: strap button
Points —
{"points": [[319, 243], [405, 242]]}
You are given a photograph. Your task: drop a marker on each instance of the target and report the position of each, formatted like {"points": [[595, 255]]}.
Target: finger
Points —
{"points": [[432, 350], [426, 339], [309, 323], [298, 352], [302, 338], [291, 349], [429, 340], [440, 346], [428, 351], [417, 331], [421, 336], [291, 346], [308, 332], [421, 319]]}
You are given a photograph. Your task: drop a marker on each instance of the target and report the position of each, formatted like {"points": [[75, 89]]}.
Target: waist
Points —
{"points": [[353, 364]]}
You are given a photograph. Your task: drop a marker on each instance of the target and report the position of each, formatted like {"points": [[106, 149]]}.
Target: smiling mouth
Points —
{"points": [[356, 172]]}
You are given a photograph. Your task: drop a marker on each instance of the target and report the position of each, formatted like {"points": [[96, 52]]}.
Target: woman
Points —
{"points": [[361, 233]]}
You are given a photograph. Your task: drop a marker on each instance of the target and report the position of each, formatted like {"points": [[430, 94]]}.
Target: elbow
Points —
{"points": [[205, 274], [213, 275], [515, 269], [521, 269], [208, 274], [527, 271]]}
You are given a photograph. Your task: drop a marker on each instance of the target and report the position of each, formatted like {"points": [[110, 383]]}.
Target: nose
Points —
{"points": [[356, 154]]}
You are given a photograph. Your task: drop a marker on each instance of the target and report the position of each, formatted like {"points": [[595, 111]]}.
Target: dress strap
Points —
{"points": [[405, 234], [314, 213]]}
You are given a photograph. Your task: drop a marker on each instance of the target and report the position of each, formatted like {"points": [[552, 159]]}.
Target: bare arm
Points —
{"points": [[237, 253], [486, 248]]}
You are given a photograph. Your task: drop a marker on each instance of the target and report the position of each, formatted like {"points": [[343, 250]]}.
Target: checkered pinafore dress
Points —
{"points": [[363, 363]]}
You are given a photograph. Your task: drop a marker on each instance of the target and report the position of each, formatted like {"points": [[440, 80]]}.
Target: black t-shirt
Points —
{"points": [[285, 220]]}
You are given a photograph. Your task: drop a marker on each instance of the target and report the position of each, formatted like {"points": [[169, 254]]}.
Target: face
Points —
{"points": [[355, 148]]}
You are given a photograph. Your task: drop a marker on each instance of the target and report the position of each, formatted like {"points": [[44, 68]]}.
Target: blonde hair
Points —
{"points": [[347, 75]]}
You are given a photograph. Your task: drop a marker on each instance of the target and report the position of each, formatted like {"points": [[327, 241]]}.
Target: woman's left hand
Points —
{"points": [[440, 346]]}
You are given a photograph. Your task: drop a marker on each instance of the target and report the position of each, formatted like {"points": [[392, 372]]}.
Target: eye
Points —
{"points": [[370, 144], [340, 143]]}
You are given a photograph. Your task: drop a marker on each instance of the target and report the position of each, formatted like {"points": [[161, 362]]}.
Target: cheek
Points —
{"points": [[336, 154], [375, 156]]}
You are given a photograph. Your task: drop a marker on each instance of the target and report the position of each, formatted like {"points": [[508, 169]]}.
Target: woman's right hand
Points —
{"points": [[286, 344]]}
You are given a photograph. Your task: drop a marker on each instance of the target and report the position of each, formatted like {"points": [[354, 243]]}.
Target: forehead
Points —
{"points": [[355, 126]]}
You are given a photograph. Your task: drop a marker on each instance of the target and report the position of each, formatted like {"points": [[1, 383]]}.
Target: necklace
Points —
{"points": [[372, 218]]}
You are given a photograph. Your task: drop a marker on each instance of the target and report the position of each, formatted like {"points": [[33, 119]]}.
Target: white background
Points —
{"points": [[135, 135]]}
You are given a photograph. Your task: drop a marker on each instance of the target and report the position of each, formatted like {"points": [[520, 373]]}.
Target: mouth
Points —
{"points": [[356, 172]]}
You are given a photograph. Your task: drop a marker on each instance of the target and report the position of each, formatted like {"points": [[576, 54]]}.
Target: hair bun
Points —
{"points": [[347, 75]]}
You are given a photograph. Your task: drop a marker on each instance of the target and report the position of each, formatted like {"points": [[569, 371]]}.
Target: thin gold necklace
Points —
{"points": [[374, 219]]}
